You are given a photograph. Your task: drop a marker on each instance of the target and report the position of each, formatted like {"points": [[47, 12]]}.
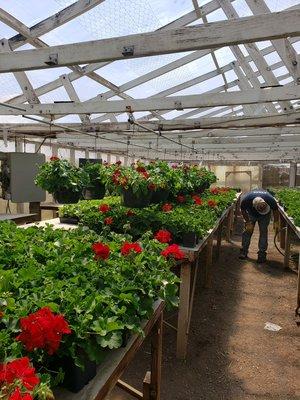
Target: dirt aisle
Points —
{"points": [[230, 355]]}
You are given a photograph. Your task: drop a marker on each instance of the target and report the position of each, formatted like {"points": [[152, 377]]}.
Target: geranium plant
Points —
{"points": [[61, 178]]}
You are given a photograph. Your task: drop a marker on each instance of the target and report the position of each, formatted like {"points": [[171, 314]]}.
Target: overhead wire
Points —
{"points": [[74, 129]]}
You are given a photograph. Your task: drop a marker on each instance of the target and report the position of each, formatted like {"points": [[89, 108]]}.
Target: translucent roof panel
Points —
{"points": [[163, 75]]}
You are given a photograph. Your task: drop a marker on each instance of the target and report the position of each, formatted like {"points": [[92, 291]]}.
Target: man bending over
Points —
{"points": [[256, 206]]}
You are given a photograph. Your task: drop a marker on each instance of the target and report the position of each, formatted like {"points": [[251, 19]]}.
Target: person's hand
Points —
{"points": [[249, 226]]}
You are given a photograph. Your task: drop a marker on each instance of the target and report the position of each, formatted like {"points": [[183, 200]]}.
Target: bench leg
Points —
{"points": [[184, 308]]}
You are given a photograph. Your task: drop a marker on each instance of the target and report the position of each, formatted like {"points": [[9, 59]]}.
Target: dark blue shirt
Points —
{"points": [[247, 201]]}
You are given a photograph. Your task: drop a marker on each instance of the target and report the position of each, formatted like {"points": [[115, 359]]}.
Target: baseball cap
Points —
{"points": [[261, 206]]}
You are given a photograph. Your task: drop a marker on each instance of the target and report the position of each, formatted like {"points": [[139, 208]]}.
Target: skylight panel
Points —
{"points": [[217, 15], [242, 8], [9, 87]]}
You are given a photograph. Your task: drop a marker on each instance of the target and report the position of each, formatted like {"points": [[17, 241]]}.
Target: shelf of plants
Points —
{"points": [[67, 297], [71, 296], [289, 200]]}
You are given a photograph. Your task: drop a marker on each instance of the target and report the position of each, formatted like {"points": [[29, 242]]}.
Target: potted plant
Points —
{"points": [[161, 177], [133, 183], [63, 180], [95, 188], [98, 289]]}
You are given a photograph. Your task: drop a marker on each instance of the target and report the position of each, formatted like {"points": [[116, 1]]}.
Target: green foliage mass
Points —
{"points": [[290, 199], [101, 299]]}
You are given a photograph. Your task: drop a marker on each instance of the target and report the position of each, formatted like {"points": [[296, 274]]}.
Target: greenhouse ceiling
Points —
{"points": [[186, 79]]}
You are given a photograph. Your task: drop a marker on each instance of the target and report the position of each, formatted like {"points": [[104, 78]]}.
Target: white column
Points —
{"points": [[108, 158], [293, 174], [72, 156], [87, 153], [19, 149], [54, 149]]}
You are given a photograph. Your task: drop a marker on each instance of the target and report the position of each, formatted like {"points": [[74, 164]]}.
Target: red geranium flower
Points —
{"points": [[163, 236], [1, 314], [174, 166], [108, 221], [54, 158], [212, 203], [223, 189], [101, 250], [104, 208], [152, 186], [115, 176], [140, 169], [130, 213], [19, 369], [128, 247], [18, 395], [43, 330], [197, 200], [167, 207], [181, 198], [145, 174], [214, 190], [173, 251]]}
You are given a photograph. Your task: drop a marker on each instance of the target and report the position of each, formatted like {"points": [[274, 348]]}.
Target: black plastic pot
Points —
{"points": [[94, 192], [202, 187], [125, 337], [130, 199], [190, 239], [159, 196], [69, 220], [66, 197], [76, 378]]}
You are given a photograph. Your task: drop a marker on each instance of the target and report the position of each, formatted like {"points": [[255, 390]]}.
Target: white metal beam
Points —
{"points": [[216, 34], [283, 47], [252, 96], [21, 77], [85, 119], [54, 21], [181, 21], [254, 52]]}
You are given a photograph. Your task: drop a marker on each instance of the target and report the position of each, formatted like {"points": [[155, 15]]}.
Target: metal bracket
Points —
{"points": [[178, 106], [128, 51], [53, 59]]}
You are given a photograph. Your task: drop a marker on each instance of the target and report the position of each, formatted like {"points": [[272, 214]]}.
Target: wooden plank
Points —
{"points": [[170, 125], [156, 359], [110, 370], [129, 389], [298, 291], [219, 240], [184, 307], [208, 263], [282, 225], [54, 21], [216, 34], [251, 96], [146, 386], [287, 248]]}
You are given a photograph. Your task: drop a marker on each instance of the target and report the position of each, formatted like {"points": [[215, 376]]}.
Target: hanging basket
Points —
{"points": [[66, 197], [130, 199], [160, 195], [94, 192]]}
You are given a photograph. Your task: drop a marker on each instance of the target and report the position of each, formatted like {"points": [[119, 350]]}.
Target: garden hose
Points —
{"points": [[275, 237], [281, 252]]}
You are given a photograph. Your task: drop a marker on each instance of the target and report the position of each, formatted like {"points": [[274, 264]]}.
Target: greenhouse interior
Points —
{"points": [[149, 199]]}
